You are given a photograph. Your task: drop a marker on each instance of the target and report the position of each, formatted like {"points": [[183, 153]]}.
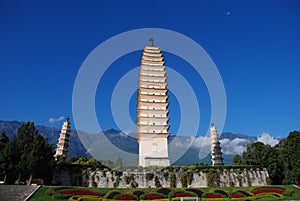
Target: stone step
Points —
{"points": [[16, 192]]}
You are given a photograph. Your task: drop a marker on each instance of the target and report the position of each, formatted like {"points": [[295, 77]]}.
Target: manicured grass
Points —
{"points": [[296, 194], [41, 194]]}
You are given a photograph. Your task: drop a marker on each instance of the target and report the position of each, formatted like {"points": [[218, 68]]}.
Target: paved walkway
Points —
{"points": [[16, 192]]}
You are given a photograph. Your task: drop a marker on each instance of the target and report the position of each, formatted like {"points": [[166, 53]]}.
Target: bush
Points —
{"points": [[126, 179], [166, 175], [138, 193], [172, 180], [183, 179], [245, 193], [50, 191], [221, 192], [112, 194], [149, 176], [164, 191], [196, 191], [37, 181], [288, 192]]}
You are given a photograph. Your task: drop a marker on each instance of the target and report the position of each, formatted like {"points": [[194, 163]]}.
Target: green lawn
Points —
{"points": [[48, 193], [41, 195]]}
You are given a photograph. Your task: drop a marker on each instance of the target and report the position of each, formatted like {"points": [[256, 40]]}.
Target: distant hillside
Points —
{"points": [[231, 136], [76, 148], [111, 144]]}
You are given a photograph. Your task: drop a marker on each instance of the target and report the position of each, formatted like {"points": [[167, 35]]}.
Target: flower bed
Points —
{"points": [[80, 192], [182, 194], [153, 196], [277, 196], [126, 197], [236, 195], [213, 195], [268, 190]]}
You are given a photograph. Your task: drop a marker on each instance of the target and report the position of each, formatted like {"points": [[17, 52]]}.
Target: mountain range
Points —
{"points": [[113, 144]]}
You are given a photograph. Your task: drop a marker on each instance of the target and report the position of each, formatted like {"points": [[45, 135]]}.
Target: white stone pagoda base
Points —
{"points": [[161, 162]]}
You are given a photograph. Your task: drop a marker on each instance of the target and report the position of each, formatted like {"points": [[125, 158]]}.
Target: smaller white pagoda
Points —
{"points": [[216, 153], [63, 140]]}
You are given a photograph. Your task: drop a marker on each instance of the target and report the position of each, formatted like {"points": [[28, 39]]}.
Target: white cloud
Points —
{"points": [[201, 141], [53, 120], [235, 146], [267, 139]]}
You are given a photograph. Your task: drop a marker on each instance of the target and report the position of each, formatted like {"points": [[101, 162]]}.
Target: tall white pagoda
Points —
{"points": [[216, 153], [152, 112], [63, 140]]}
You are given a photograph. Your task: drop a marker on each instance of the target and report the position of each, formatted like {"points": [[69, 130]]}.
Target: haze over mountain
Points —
{"points": [[113, 144]]}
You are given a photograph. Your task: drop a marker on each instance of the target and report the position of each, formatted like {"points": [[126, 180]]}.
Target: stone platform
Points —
{"points": [[16, 192]]}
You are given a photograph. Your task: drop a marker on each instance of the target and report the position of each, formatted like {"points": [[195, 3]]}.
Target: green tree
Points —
{"points": [[291, 158], [28, 155], [255, 154], [265, 156], [41, 164], [237, 160], [3, 141], [82, 160], [3, 161]]}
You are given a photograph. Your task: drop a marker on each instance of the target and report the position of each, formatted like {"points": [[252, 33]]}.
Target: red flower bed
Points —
{"points": [[153, 196], [182, 194], [80, 192], [236, 195], [268, 190], [213, 195], [126, 197]]}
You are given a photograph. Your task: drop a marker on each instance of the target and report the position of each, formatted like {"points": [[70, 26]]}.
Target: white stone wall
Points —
{"points": [[227, 177]]}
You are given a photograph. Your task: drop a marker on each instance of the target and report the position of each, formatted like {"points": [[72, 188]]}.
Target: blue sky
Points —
{"points": [[254, 44]]}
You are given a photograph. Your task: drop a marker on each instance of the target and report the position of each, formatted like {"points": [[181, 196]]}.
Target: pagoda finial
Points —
{"points": [[151, 42], [68, 118]]}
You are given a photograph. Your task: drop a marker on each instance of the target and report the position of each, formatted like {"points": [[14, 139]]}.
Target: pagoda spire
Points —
{"points": [[63, 140], [151, 42]]}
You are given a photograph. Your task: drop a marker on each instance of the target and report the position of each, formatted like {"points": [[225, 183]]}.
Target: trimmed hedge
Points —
{"points": [[153, 194], [164, 191], [213, 195], [80, 192], [112, 194], [83, 198], [221, 192], [138, 193], [198, 192]]}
